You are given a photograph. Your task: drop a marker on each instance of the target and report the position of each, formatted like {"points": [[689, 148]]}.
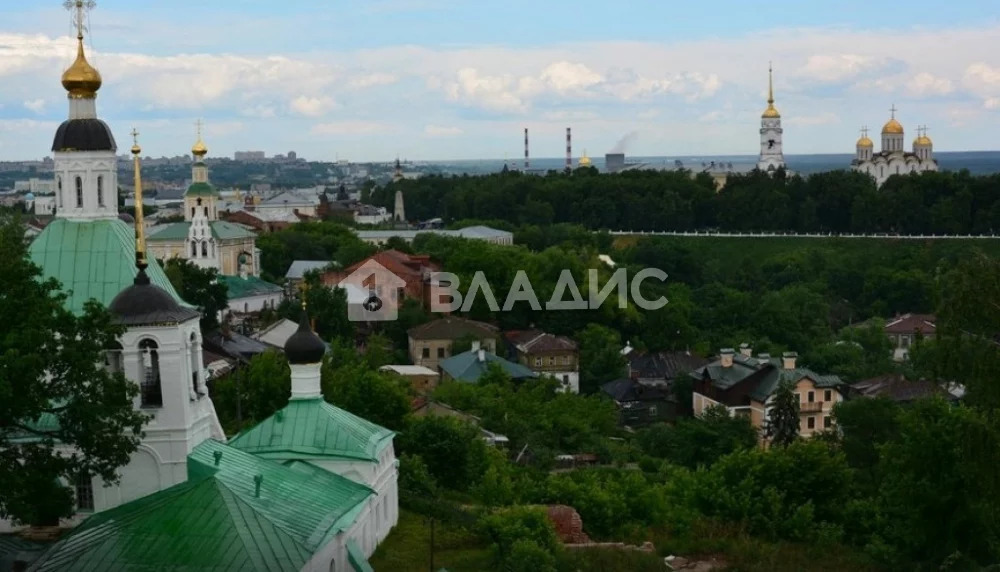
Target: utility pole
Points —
{"points": [[430, 520]]}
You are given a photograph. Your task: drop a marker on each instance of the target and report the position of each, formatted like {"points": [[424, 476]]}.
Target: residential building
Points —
{"points": [[413, 270], [661, 368], [471, 365], [250, 294], [423, 380], [298, 202], [299, 268], [905, 330], [546, 354], [640, 404], [746, 385], [431, 343], [895, 387]]}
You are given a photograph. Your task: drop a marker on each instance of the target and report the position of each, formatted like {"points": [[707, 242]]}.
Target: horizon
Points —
{"points": [[370, 82]]}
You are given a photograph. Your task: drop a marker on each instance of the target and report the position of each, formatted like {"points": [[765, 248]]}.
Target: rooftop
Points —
{"points": [[468, 366], [453, 328], [178, 231], [299, 268], [250, 286]]}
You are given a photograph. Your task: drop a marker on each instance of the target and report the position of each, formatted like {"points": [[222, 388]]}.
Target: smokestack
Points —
{"points": [[569, 150], [526, 149]]}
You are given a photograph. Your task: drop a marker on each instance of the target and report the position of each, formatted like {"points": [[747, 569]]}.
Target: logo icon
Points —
{"points": [[374, 293]]}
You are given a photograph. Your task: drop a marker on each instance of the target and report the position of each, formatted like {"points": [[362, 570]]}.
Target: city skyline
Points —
{"points": [[439, 79]]}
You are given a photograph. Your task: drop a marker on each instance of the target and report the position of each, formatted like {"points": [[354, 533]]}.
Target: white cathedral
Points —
{"points": [[772, 157], [893, 159], [313, 487]]}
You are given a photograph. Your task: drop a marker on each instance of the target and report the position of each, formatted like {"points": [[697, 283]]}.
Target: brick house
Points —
{"points": [[905, 330], [546, 354], [431, 343]]}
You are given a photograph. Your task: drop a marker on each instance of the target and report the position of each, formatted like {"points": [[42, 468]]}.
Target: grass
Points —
{"points": [[407, 548]]}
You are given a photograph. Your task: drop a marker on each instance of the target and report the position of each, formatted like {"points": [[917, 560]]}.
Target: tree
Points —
{"points": [[251, 394], [200, 287], [53, 393], [452, 449], [349, 383], [699, 441], [600, 357], [783, 417], [328, 308]]}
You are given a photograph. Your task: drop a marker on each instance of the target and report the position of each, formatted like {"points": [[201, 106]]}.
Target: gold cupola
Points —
{"points": [[585, 160], [771, 112], [199, 150], [81, 80], [893, 126], [865, 142]]}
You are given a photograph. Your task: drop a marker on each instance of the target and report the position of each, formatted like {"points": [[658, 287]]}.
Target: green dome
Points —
{"points": [[201, 189]]}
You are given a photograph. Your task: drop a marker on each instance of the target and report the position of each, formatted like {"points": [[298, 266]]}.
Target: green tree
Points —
{"points": [[253, 393], [328, 309], [52, 392], [600, 357], [452, 449], [699, 441], [200, 287], [510, 528], [783, 417], [381, 398]]}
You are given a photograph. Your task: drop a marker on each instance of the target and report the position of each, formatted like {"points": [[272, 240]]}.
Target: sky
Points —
{"points": [[459, 79]]}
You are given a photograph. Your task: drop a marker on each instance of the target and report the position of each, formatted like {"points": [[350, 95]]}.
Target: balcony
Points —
{"points": [[814, 407]]}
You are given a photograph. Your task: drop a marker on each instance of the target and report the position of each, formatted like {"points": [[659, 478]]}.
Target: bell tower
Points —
{"points": [[772, 157]]}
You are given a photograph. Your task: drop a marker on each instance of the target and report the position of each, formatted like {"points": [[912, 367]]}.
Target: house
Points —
{"points": [[546, 354], [746, 385], [423, 380], [299, 202], [640, 404], [249, 294], [471, 365], [661, 368], [277, 334], [431, 343], [414, 269], [299, 268], [896, 387], [905, 330]]}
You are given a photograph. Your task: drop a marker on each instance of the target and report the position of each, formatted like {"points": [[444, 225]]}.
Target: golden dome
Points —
{"points": [[893, 127], [199, 149], [865, 142], [585, 160], [923, 140], [771, 112], [81, 80]]}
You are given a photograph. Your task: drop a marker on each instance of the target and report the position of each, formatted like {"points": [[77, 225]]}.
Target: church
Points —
{"points": [[893, 159], [772, 157], [202, 238], [311, 488]]}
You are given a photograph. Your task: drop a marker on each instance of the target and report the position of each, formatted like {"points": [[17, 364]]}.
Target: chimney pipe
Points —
{"points": [[526, 163], [481, 355], [476, 345], [789, 359], [569, 150], [726, 357], [746, 350]]}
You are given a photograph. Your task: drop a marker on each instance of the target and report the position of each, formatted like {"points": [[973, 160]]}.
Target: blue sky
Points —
{"points": [[443, 79]]}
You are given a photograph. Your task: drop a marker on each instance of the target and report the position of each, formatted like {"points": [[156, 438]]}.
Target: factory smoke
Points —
{"points": [[622, 145]]}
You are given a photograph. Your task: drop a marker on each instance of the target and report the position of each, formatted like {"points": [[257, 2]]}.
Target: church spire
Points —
{"points": [[140, 228], [771, 112]]}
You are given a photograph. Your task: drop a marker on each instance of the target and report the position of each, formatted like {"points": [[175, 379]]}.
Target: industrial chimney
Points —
{"points": [[569, 150], [526, 149]]}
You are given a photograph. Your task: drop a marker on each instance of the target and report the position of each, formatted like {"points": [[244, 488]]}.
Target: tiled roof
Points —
{"points": [[92, 260], [313, 428], [896, 387], [663, 365], [452, 328], [624, 390], [217, 521], [911, 323], [240, 287], [536, 341], [743, 367], [467, 367]]}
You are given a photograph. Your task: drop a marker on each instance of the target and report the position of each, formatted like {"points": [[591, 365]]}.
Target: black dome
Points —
{"points": [[142, 303], [304, 346], [84, 135]]}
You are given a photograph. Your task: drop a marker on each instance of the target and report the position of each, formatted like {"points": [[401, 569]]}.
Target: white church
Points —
{"points": [[772, 157], [893, 159], [311, 488]]}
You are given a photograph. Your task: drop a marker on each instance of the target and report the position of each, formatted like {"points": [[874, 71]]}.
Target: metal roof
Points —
{"points": [[298, 269], [313, 428], [218, 520], [94, 259], [178, 231], [467, 367], [239, 287]]}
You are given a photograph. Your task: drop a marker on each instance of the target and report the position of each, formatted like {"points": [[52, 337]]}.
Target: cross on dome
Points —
{"points": [[893, 111], [81, 7]]}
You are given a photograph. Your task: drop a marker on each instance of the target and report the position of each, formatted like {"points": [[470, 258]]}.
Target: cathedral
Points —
{"points": [[772, 157], [893, 159], [313, 487], [202, 238]]}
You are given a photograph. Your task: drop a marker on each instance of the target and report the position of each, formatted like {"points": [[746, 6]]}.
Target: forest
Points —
{"points": [[947, 202]]}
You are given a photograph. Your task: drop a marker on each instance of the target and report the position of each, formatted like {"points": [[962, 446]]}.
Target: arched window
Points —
{"points": [[100, 190], [204, 248], [194, 249], [152, 394], [192, 212], [212, 248], [206, 211], [58, 192], [113, 360], [195, 349], [79, 193]]}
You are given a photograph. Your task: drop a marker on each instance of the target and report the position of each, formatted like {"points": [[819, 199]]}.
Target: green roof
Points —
{"points": [[216, 521], [314, 429], [221, 230], [356, 557], [201, 189], [239, 287], [93, 259], [467, 367], [725, 377]]}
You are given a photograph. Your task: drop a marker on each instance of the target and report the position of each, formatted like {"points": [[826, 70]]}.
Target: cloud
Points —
{"points": [[35, 105], [924, 84], [825, 118], [312, 106], [442, 131], [349, 127], [372, 80]]}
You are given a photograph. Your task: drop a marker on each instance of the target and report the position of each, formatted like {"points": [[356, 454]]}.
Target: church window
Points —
{"points": [[151, 392], [59, 192], [100, 191], [897, 169], [192, 212], [113, 358], [195, 370], [206, 211], [79, 193], [881, 171], [204, 248], [194, 249], [84, 486]]}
